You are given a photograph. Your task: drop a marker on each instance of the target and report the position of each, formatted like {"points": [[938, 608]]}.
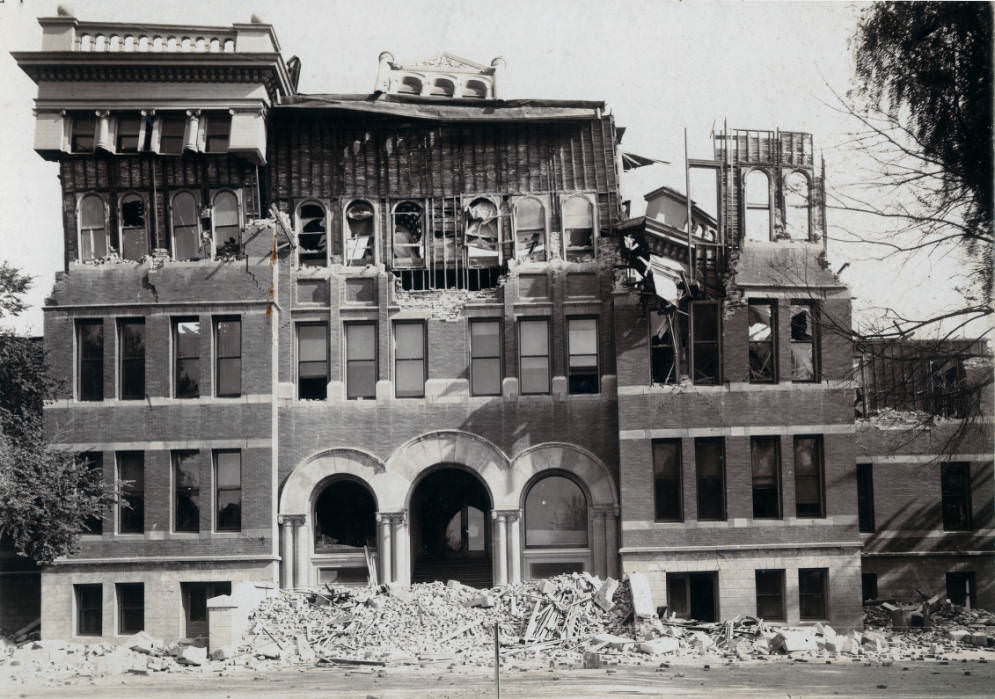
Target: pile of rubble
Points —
{"points": [[922, 630]]}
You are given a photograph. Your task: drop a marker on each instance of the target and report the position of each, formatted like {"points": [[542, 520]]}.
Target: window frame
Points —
{"points": [[123, 230], [198, 226], [748, 206], [423, 360], [819, 458], [722, 478], [816, 341], [373, 245], [81, 363], [772, 305], [543, 202], [119, 119], [781, 597], [808, 205], [822, 595], [214, 194], [176, 457], [123, 607], [522, 322], [530, 487], [499, 357], [297, 348], [122, 394], [500, 226], [565, 249], [695, 342], [375, 361], [658, 480], [78, 626], [89, 231], [175, 323], [218, 358], [207, 122], [129, 494], [159, 132], [778, 480], [866, 521], [419, 261], [74, 118], [299, 228], [681, 340], [218, 490], [965, 522], [597, 356]]}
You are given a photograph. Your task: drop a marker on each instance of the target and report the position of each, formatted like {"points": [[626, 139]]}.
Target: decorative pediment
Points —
{"points": [[446, 61]]}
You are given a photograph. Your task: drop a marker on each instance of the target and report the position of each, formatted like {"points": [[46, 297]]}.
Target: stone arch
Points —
{"points": [[297, 493], [579, 462]]}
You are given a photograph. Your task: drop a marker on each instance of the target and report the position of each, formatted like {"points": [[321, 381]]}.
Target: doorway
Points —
{"points": [[450, 528], [195, 596], [693, 595]]}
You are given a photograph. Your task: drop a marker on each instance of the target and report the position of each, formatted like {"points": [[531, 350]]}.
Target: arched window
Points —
{"points": [[186, 227], [410, 85], [312, 236], [227, 224], [482, 233], [443, 88], [796, 205], [134, 228], [556, 514], [530, 230], [475, 89], [345, 518], [757, 206], [360, 222], [93, 239], [409, 235], [578, 229]]}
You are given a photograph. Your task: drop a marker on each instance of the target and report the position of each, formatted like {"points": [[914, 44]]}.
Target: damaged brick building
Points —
{"points": [[415, 321]]}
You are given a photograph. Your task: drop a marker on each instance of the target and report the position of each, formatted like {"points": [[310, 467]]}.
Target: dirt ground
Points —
{"points": [[968, 678]]}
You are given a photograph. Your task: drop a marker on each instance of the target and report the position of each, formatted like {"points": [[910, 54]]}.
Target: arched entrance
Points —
{"points": [[450, 514]]}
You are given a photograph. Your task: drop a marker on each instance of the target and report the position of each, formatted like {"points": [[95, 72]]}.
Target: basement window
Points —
{"points": [[578, 229], [312, 235], [84, 133], [770, 595], [94, 238], [186, 492], [668, 494], [530, 230], [762, 316], [765, 455], [89, 609], [408, 235], [812, 593], [130, 607], [226, 224], [134, 227], [312, 361], [709, 460], [185, 220], [705, 343], [556, 514], [360, 233], [961, 589], [582, 344]]}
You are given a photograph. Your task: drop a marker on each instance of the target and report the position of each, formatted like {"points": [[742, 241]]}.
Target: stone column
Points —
{"points": [[598, 544], [385, 545], [286, 553], [402, 549], [500, 548], [611, 541], [302, 544], [514, 547]]}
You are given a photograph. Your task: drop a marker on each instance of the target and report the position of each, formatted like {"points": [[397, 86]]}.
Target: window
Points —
{"points": [[171, 129], [409, 85], [186, 343], [409, 359], [312, 361], [360, 233], [474, 89], [93, 461], [409, 230], [485, 357], [217, 130], [762, 332], [134, 229], [131, 509], [765, 454], [312, 238], [534, 355], [94, 241], [865, 497], [482, 233], [868, 586], [89, 609], [186, 488], [578, 229], [668, 347], [796, 206], [667, 491], [812, 593], [530, 230], [228, 341], [186, 227], [770, 595], [804, 343], [129, 129], [705, 343], [345, 518], [810, 498], [84, 131], [361, 360], [228, 490], [130, 607], [955, 483], [961, 589], [131, 336], [90, 345], [709, 459], [226, 222], [556, 514], [757, 198], [442, 88], [582, 343]]}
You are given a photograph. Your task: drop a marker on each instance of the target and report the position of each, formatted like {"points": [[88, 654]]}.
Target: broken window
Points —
{"points": [[796, 204], [186, 341], [865, 497], [345, 518], [84, 131], [705, 343], [812, 593], [804, 342], [360, 233], [770, 594], [709, 461], [228, 490], [90, 343], [955, 484], [171, 130], [130, 607], [757, 197], [485, 357], [361, 360], [312, 236], [134, 239], [218, 129], [186, 492], [409, 230], [668, 496], [93, 235], [582, 345], [446, 254], [409, 359], [131, 335], [578, 229], [530, 230], [228, 340], [312, 361], [186, 226], [482, 233], [89, 609], [810, 498], [668, 348], [128, 131], [226, 222], [765, 454], [763, 346], [556, 514], [131, 508], [533, 355]]}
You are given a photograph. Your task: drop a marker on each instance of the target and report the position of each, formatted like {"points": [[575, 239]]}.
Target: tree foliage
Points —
{"points": [[13, 285]]}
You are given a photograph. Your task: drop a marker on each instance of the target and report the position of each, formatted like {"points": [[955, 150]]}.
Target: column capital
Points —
{"points": [[510, 515], [392, 517], [291, 520]]}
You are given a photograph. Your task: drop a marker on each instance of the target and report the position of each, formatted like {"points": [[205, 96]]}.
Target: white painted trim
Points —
{"points": [[736, 431], [162, 559], [739, 547], [737, 523]]}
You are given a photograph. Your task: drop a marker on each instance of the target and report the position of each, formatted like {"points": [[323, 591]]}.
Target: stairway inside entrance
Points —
{"points": [[475, 573]]}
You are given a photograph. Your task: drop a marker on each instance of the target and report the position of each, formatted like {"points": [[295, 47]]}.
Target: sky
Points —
{"points": [[661, 66]]}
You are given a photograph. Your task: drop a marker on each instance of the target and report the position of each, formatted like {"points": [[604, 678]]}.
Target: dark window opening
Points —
{"points": [[868, 586], [812, 593], [131, 510], [485, 357], [186, 338], [693, 595], [538, 571], [228, 490], [804, 343], [228, 340], [582, 365], [709, 458], [89, 609], [134, 240], [955, 484], [130, 607], [705, 339], [533, 356], [313, 237], [195, 596], [770, 595], [186, 492], [312, 361], [578, 230], [409, 359], [865, 497], [810, 497], [132, 338], [763, 346], [218, 130], [361, 360], [128, 131], [667, 489], [668, 347], [961, 589], [555, 514], [471, 279], [171, 129], [84, 131], [91, 359], [765, 454], [345, 518]]}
